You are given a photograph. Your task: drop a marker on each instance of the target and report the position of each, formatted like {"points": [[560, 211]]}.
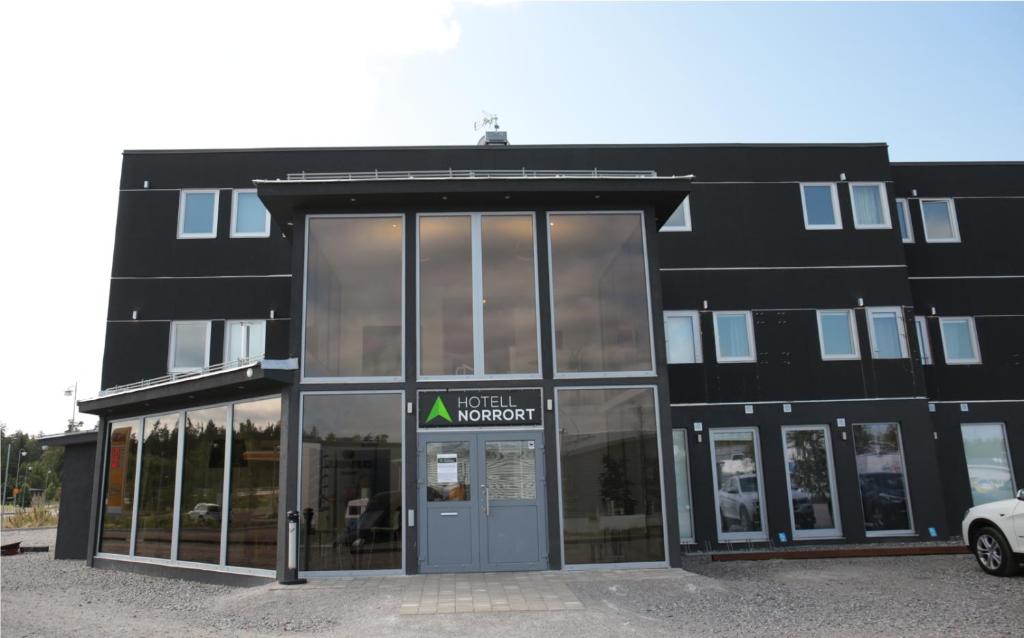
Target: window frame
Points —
{"points": [[685, 228], [973, 332], [1006, 448], [726, 537], [172, 342], [751, 357], [901, 330], [905, 219], [953, 221], [234, 234], [912, 530], [883, 195], [684, 438], [698, 341], [836, 211], [836, 531], [854, 336], [244, 322], [923, 340], [182, 198]]}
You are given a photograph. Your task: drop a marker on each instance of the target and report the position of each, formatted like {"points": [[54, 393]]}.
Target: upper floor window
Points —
{"points": [[249, 217], [938, 216], [903, 214], [734, 337], [837, 334], [870, 205], [923, 345], [682, 336], [244, 340], [887, 333], [679, 220], [821, 206], [197, 214], [959, 340], [190, 346]]}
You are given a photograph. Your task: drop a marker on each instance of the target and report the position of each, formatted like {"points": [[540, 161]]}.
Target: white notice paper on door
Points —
{"points": [[447, 468]]}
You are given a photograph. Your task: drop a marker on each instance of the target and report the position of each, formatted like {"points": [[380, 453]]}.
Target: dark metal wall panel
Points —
{"points": [[135, 350], [186, 299], [948, 179], [75, 502], [999, 376]]}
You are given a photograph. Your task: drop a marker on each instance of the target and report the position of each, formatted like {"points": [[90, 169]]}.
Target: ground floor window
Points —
{"points": [[883, 479], [202, 485], [738, 486], [684, 504], [610, 475], [351, 481], [811, 479], [988, 462], [119, 495], [159, 469]]}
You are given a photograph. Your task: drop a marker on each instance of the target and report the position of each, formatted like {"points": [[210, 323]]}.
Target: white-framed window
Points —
{"points": [[870, 205], [739, 488], [249, 217], [903, 215], [245, 340], [959, 340], [190, 346], [989, 469], [882, 476], [923, 345], [938, 217], [837, 335], [679, 220], [811, 478], [682, 336], [734, 337], [197, 214], [820, 203], [887, 333]]}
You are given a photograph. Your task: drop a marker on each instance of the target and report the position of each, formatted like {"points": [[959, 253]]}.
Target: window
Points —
{"points": [[679, 220], [601, 308], [249, 217], [887, 333], [255, 463], [190, 346], [477, 295], [813, 504], [738, 485], [924, 346], [610, 475], [734, 337], [883, 479], [158, 472], [119, 496], [355, 276], [938, 216], [684, 507], [837, 334], [682, 337], [197, 214], [959, 340], [988, 462], [906, 227], [870, 206], [202, 485], [821, 206], [244, 340]]}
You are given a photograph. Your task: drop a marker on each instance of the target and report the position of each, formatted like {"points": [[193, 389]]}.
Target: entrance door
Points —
{"points": [[481, 501]]}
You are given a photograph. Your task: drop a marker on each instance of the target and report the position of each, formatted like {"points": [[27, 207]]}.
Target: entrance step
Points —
{"points": [[487, 592]]}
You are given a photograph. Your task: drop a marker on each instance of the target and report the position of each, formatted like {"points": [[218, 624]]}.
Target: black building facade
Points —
{"points": [[530, 357]]}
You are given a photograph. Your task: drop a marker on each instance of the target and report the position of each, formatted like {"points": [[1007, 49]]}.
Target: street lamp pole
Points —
{"points": [[7, 470], [21, 454]]}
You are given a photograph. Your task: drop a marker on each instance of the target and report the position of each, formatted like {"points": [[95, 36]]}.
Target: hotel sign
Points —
{"points": [[478, 408]]}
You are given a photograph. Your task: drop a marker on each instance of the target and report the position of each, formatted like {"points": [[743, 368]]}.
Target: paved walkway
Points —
{"points": [[487, 592]]}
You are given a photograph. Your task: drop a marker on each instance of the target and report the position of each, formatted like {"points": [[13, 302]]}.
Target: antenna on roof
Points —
{"points": [[490, 138], [489, 118]]}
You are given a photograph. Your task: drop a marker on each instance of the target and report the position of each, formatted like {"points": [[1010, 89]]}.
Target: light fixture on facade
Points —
{"points": [[135, 314]]}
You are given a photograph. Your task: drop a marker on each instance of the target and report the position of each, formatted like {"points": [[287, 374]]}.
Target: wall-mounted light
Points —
{"points": [[913, 192], [787, 408], [842, 177], [705, 304], [135, 314], [273, 314], [145, 184], [748, 409], [860, 302], [933, 311]]}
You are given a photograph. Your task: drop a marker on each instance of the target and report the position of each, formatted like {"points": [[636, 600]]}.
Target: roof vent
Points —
{"points": [[491, 138]]}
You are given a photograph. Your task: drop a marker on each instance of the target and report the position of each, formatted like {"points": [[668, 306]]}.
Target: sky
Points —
{"points": [[80, 82]]}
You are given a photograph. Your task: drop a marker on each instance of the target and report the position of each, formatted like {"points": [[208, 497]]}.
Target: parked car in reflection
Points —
{"points": [[739, 502], [803, 509], [205, 512], [885, 501], [994, 532]]}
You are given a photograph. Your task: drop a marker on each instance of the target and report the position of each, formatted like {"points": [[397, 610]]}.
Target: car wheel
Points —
{"points": [[993, 552]]}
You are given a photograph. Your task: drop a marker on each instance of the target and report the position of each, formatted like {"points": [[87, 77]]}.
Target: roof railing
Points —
{"points": [[523, 173], [180, 376]]}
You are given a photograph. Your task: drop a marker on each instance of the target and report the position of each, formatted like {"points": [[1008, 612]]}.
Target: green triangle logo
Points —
{"points": [[438, 410]]}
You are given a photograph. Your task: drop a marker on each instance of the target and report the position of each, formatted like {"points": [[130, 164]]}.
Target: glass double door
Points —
{"points": [[481, 501]]}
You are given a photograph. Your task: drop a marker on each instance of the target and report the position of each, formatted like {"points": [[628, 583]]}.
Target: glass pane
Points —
{"points": [[904, 216], [883, 490], [682, 467], [189, 345], [810, 479], [886, 335], [250, 214], [835, 334], [602, 320], [120, 494], [818, 201], [509, 294], [956, 339], [938, 222], [680, 217], [611, 484], [731, 332], [988, 462], [922, 341], [156, 486], [354, 321], [198, 213], [448, 465], [202, 485], [446, 295], [681, 340], [351, 481], [511, 470], [255, 451], [867, 205], [738, 479]]}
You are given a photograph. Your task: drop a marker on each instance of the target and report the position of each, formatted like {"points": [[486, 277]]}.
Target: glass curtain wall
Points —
{"points": [[119, 498], [988, 462], [610, 474], [255, 461], [509, 294], [351, 482], [156, 486], [882, 477], [446, 295], [202, 485]]}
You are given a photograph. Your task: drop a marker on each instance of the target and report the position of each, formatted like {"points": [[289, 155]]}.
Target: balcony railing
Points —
{"points": [[179, 376], [468, 174]]}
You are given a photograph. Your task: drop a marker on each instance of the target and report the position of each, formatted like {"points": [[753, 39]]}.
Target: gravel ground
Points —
{"points": [[918, 596]]}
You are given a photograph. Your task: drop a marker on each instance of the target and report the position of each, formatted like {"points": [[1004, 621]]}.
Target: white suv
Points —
{"points": [[995, 533]]}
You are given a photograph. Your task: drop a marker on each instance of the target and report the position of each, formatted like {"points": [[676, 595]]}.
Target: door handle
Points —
{"points": [[449, 513], [487, 500]]}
